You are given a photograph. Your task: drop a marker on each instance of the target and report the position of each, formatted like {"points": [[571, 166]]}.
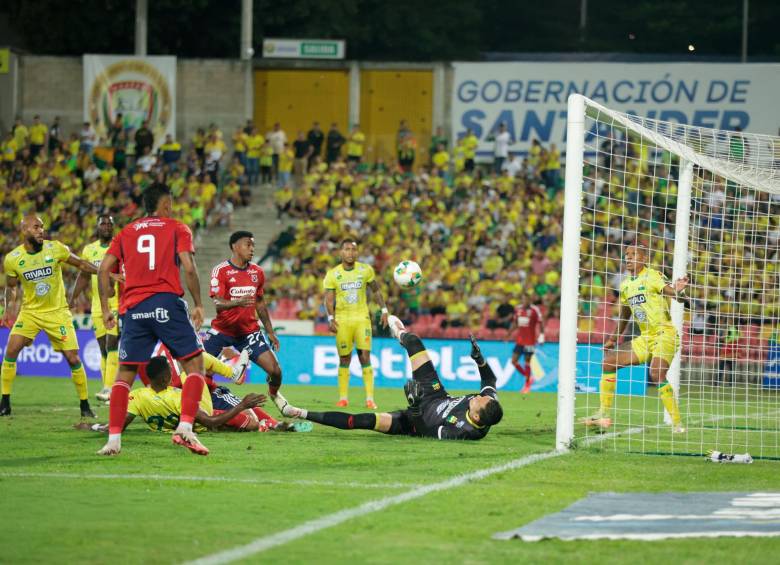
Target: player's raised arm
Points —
{"points": [[676, 289], [376, 292], [83, 265], [187, 259]]}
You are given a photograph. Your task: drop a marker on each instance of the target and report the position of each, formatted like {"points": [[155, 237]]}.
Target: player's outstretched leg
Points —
{"points": [[342, 420]]}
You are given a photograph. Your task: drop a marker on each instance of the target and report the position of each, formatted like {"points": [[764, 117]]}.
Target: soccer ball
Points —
{"points": [[407, 274]]}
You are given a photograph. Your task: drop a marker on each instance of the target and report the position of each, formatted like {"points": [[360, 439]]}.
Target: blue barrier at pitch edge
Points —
{"points": [[314, 360]]}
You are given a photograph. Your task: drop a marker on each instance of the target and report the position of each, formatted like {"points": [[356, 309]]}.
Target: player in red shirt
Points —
{"points": [[150, 251], [237, 290], [529, 326]]}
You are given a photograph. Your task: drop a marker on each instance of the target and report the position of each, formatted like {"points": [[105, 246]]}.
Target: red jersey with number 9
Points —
{"points": [[148, 250]]}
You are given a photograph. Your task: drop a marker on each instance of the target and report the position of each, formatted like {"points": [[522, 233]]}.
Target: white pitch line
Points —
{"points": [[301, 482], [328, 521]]}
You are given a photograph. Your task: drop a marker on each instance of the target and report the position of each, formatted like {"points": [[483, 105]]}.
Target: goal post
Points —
{"points": [[705, 203]]}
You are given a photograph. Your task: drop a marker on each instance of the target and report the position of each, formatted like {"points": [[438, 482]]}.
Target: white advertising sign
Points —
{"points": [[531, 97]]}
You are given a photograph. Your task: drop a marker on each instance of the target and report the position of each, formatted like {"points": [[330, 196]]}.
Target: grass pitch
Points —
{"points": [[62, 503]]}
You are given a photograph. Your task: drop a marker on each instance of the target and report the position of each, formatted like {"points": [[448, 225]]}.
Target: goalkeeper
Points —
{"points": [[644, 294], [431, 412]]}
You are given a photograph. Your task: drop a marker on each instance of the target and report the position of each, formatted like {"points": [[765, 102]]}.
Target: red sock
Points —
{"points": [[527, 371], [273, 389], [117, 411], [210, 382], [519, 367], [263, 415], [142, 374], [191, 394]]}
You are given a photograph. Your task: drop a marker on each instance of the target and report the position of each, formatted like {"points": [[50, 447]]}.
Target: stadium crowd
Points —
{"points": [[483, 235], [70, 178]]}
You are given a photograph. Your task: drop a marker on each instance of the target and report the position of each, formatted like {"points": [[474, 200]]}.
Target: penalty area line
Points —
{"points": [[329, 520], [154, 477]]}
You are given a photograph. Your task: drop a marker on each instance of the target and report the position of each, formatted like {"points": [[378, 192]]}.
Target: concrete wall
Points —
{"points": [[9, 93], [207, 90]]}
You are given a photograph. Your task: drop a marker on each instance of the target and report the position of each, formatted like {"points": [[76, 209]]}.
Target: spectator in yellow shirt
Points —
{"points": [[286, 160], [441, 159], [38, 133], [266, 163], [254, 143], [470, 143], [355, 145], [21, 133]]}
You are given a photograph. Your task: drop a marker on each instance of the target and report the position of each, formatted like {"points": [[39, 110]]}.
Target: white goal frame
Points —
{"points": [[762, 178]]}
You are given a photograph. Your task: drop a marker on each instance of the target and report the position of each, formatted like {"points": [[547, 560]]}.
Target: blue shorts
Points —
{"points": [[214, 342], [524, 350], [162, 317], [223, 399]]}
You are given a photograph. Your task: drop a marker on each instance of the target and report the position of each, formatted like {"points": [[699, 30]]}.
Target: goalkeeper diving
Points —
{"points": [[431, 412], [645, 295]]}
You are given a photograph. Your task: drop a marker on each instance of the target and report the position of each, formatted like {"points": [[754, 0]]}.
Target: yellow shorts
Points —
{"points": [[57, 324], [662, 344], [100, 327], [353, 331]]}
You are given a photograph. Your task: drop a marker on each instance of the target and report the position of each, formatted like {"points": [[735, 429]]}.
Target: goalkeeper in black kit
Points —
{"points": [[431, 411]]}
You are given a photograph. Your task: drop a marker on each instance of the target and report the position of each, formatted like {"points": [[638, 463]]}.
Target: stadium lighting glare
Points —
{"points": [[691, 47]]}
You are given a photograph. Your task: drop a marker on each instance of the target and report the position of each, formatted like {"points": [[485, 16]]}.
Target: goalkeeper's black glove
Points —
{"points": [[414, 394]]}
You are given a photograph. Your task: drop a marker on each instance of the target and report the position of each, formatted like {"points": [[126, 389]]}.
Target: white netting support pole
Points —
{"points": [[680, 265], [572, 213]]}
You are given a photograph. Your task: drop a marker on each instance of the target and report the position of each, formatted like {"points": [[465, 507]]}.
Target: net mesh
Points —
{"points": [[728, 389]]}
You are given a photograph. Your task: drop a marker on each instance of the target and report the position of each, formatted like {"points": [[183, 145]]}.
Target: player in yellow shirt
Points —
{"points": [[36, 266], [644, 294], [108, 340], [355, 145], [159, 405], [347, 304], [470, 144]]}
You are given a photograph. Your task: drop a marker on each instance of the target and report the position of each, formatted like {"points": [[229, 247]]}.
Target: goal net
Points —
{"points": [[701, 203]]}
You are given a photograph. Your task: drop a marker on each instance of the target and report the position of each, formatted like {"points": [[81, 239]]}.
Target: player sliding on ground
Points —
{"points": [[36, 266], [431, 412], [644, 294], [159, 405]]}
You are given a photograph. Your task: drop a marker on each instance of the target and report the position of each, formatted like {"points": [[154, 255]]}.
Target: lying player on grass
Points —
{"points": [[431, 412], [159, 405]]}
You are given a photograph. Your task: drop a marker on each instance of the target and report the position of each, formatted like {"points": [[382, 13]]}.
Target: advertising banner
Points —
{"points": [[315, 360], [531, 97], [139, 88]]}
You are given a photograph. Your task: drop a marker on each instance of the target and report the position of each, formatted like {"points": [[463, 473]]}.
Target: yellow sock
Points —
{"points": [[666, 392], [607, 392], [7, 375], [103, 370], [343, 382], [368, 382], [79, 376], [212, 365], [112, 367]]}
